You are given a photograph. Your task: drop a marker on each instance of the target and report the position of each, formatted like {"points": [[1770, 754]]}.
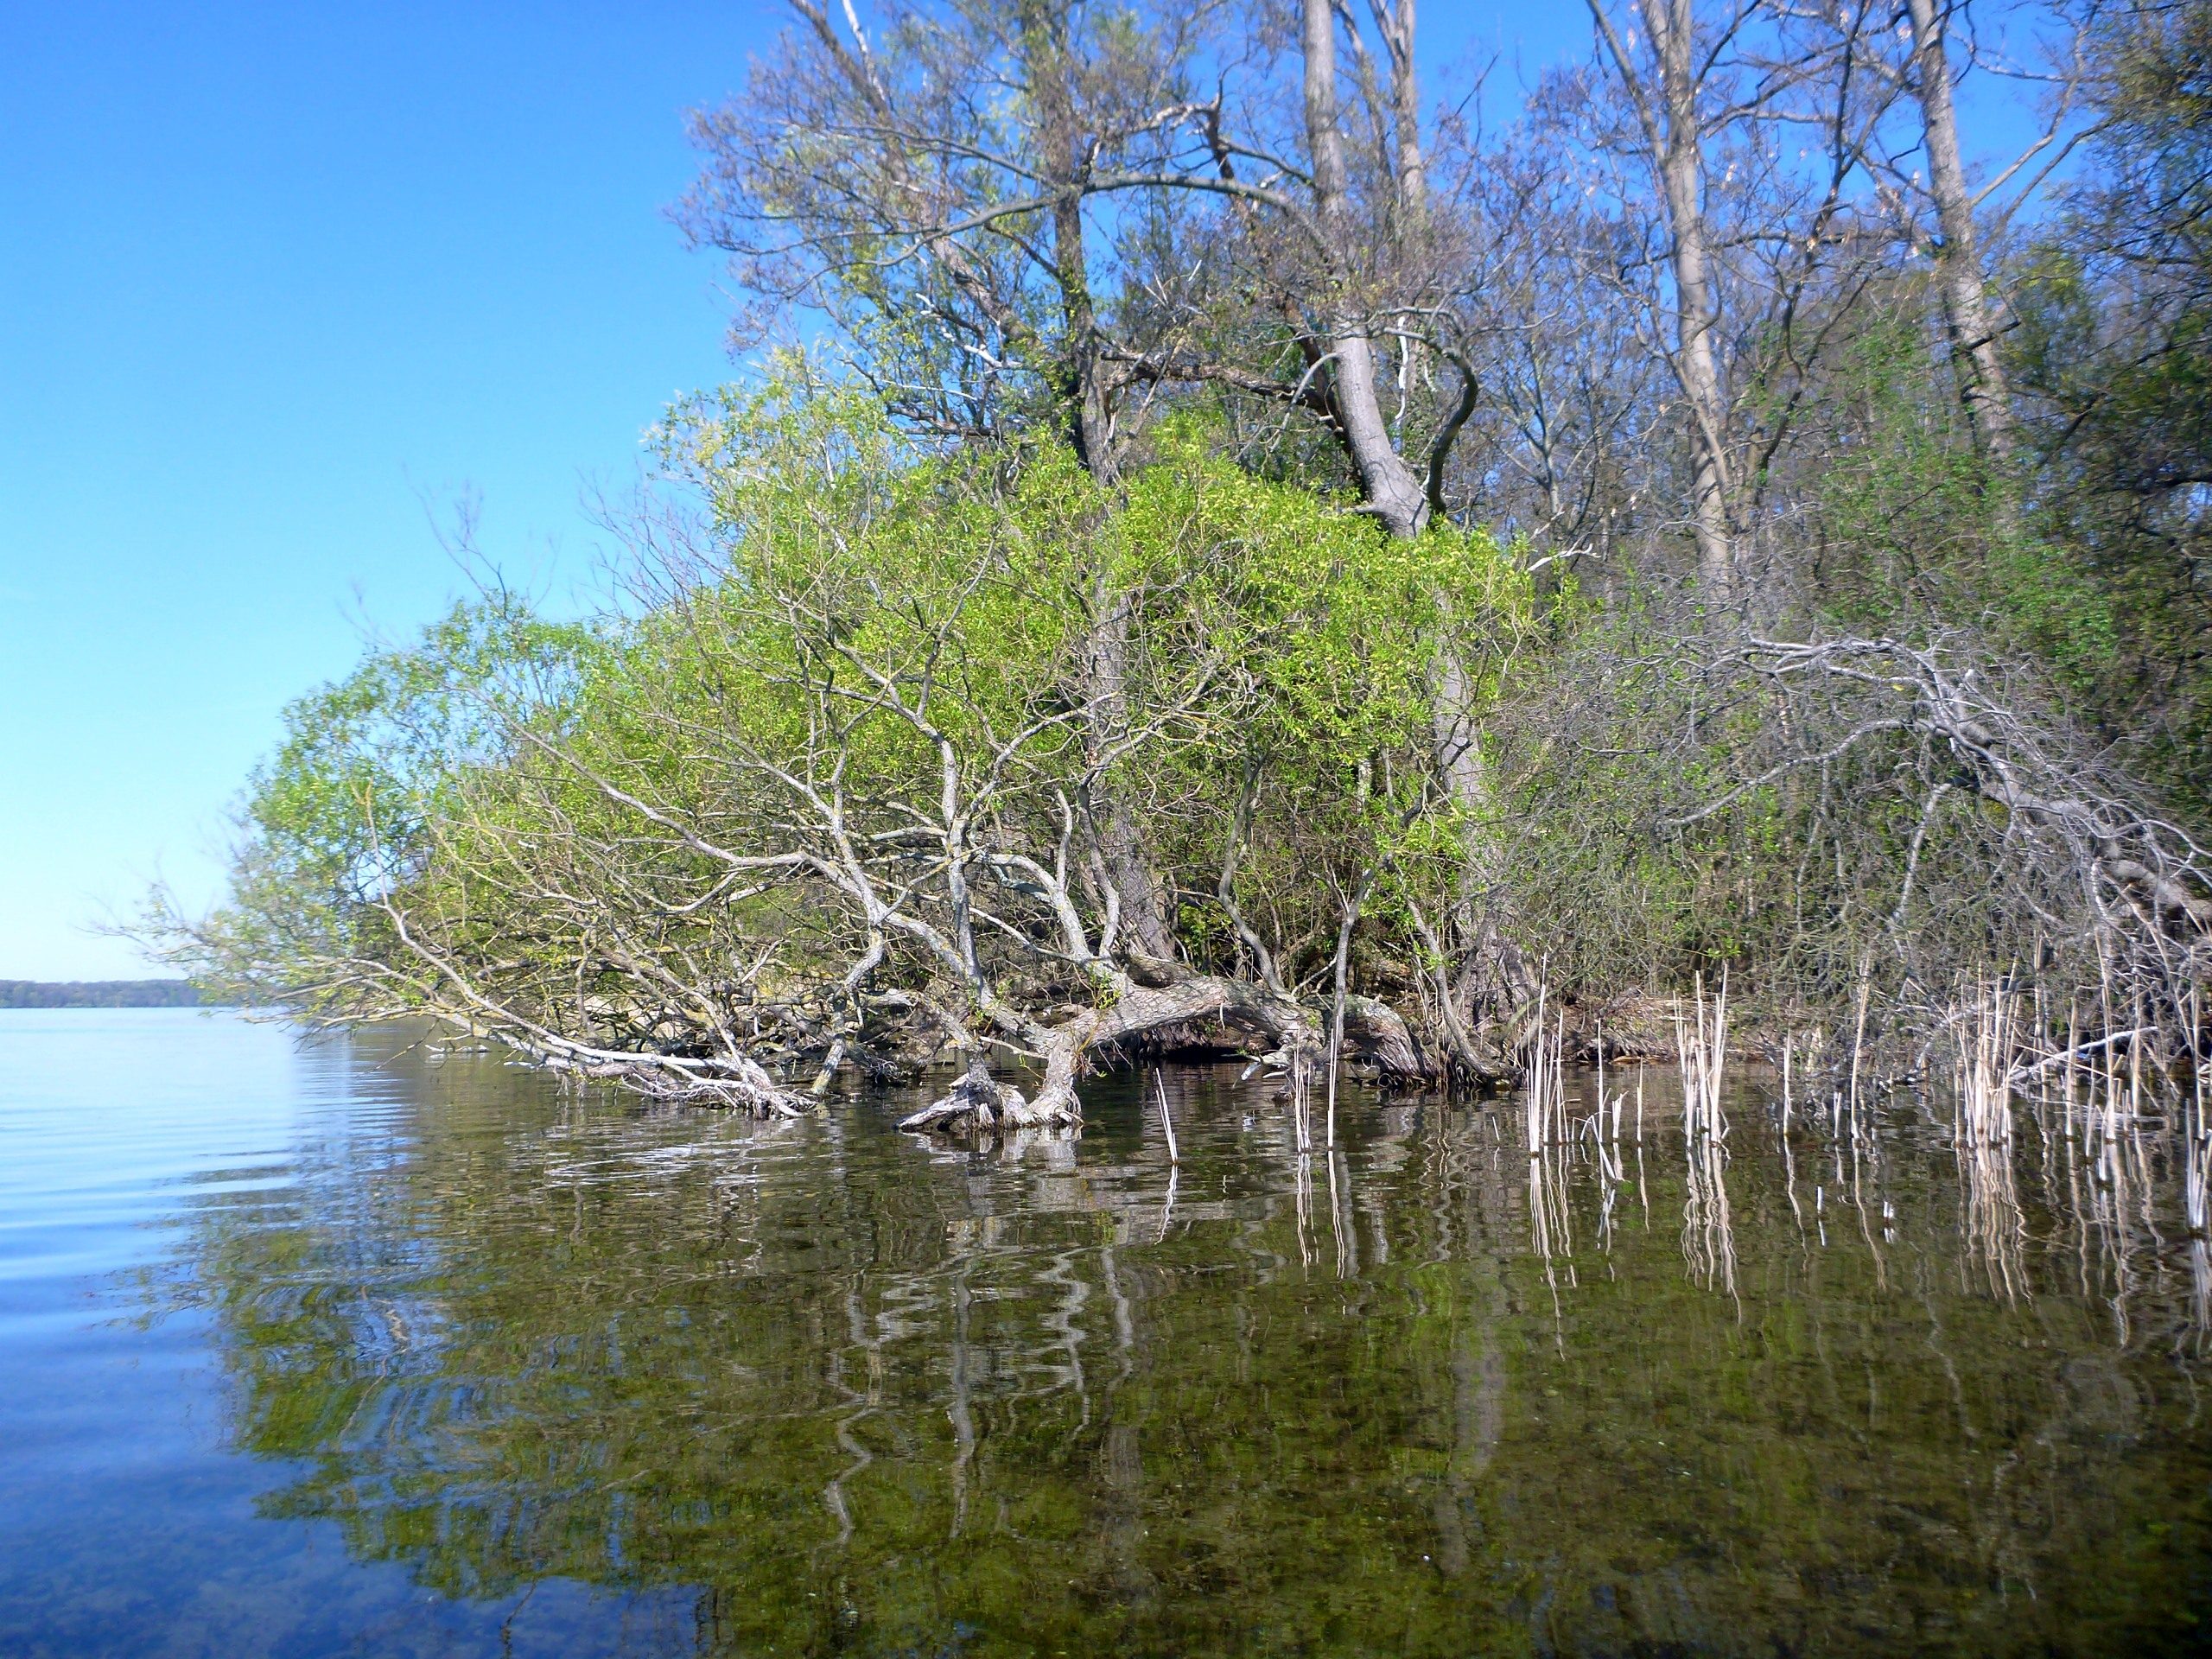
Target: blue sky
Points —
{"points": [[278, 283], [274, 278]]}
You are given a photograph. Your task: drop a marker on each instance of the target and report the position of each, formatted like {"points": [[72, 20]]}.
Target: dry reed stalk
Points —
{"points": [[1559, 1074], [1989, 1043], [2111, 1065], [2195, 1173], [1609, 1167], [1986, 1048], [1858, 1033], [1533, 1105], [2196, 1049], [1545, 1104], [2135, 1061], [1701, 1044], [2074, 1056]]}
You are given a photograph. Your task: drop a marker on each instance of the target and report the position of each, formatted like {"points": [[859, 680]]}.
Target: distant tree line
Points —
{"points": [[1220, 544], [99, 994]]}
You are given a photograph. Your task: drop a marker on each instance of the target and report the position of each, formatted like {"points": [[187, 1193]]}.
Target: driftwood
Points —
{"points": [[1288, 1035]]}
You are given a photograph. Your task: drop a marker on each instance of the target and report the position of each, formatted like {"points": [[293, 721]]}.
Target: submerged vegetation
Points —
{"points": [[1243, 567], [1419, 1394]]}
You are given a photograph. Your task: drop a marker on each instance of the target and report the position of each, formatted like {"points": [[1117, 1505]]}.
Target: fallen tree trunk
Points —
{"points": [[1374, 1033]]}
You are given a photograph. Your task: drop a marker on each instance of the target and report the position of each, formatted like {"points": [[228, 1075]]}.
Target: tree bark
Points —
{"points": [[1958, 262], [1682, 167], [1087, 412], [1392, 490], [1674, 139], [1121, 845], [1135, 1009], [1046, 60]]}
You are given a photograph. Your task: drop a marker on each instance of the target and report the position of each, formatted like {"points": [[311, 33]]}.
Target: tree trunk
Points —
{"points": [[1121, 845], [1958, 261], [1398, 497], [1679, 155], [1060, 147], [1392, 493], [1491, 985], [1088, 412], [1405, 115], [1137, 1009]]}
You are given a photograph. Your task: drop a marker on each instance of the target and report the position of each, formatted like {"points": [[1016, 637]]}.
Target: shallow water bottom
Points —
{"points": [[328, 1348]]}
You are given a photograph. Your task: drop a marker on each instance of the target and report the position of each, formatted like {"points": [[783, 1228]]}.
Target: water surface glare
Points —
{"points": [[312, 1348]]}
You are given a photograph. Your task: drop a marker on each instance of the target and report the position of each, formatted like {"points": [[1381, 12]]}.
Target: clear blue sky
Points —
{"points": [[272, 277]]}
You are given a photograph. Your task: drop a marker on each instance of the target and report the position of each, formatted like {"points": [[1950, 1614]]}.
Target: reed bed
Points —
{"points": [[1701, 1041], [2044, 1100], [1544, 1099], [1989, 1039], [2089, 1096]]}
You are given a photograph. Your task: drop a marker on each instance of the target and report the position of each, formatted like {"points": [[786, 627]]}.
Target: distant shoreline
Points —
{"points": [[99, 994]]}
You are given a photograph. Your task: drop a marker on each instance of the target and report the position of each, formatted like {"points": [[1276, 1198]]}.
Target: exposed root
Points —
{"points": [[978, 1104], [1375, 1033], [1271, 1024]]}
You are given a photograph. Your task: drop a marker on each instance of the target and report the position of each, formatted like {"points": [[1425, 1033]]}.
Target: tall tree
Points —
{"points": [[1342, 345], [1966, 316], [1666, 94], [1009, 204]]}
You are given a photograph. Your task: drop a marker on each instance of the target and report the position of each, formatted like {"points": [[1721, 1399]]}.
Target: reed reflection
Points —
{"points": [[862, 1391]]}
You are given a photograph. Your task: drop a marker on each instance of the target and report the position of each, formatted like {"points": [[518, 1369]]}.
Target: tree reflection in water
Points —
{"points": [[858, 1393]]}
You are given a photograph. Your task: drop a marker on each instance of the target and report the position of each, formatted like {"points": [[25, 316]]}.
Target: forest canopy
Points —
{"points": [[1219, 546]]}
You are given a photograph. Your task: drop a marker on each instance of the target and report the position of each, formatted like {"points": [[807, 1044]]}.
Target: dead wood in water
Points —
{"points": [[1288, 1036]]}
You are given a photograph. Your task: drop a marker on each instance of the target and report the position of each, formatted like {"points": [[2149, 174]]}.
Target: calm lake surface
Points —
{"points": [[314, 1348]]}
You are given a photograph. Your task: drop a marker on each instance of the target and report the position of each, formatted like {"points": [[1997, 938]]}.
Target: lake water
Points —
{"points": [[312, 1348]]}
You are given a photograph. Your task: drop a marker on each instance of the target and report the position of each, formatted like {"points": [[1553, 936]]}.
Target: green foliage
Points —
{"points": [[1907, 514], [348, 809], [2114, 348], [851, 616]]}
